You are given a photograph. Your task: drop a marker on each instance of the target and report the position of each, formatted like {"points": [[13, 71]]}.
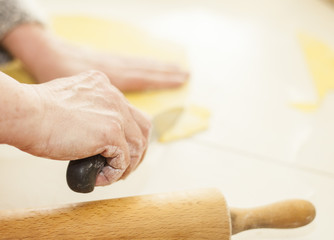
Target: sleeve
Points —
{"points": [[14, 13]]}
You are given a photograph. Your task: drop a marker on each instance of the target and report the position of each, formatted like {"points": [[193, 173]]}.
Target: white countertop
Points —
{"points": [[247, 67]]}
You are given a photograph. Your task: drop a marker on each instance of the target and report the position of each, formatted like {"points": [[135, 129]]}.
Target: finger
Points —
{"points": [[140, 63], [136, 158], [137, 146], [143, 80], [118, 159], [128, 171], [151, 65], [118, 162], [137, 141], [142, 119]]}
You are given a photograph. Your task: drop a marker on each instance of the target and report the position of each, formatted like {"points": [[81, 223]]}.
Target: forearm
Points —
{"points": [[30, 43], [14, 13], [18, 112]]}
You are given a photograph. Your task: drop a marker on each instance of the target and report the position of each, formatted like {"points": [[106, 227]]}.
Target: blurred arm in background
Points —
{"points": [[24, 36]]}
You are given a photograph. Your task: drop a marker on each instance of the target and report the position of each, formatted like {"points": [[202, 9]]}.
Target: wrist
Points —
{"points": [[20, 111]]}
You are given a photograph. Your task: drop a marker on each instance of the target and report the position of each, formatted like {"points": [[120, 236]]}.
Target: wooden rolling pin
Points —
{"points": [[201, 214]]}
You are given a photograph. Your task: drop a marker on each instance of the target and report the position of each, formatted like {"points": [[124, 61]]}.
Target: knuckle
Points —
{"points": [[97, 74], [116, 126], [98, 77], [137, 147], [112, 132]]}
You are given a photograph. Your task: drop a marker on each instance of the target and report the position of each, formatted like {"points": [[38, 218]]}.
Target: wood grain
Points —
{"points": [[291, 213], [192, 215]]}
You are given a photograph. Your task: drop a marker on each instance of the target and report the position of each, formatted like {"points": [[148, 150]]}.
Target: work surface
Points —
{"points": [[248, 67]]}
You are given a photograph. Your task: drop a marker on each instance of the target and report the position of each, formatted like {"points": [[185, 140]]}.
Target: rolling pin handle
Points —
{"points": [[286, 214], [81, 174]]}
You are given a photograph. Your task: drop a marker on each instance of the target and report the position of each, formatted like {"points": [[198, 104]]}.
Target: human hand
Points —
{"points": [[47, 57], [85, 115]]}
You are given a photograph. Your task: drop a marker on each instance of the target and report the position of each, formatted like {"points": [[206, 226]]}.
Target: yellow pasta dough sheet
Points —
{"points": [[121, 38], [320, 61], [194, 119]]}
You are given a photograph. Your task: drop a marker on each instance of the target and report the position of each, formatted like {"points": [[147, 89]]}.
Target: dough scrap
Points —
{"points": [[320, 60]]}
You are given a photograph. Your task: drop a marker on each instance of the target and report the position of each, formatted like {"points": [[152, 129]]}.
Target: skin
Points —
{"points": [[74, 117], [76, 112], [47, 57]]}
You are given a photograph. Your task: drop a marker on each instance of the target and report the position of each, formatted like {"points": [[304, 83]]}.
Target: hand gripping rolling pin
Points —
{"points": [[81, 174]]}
